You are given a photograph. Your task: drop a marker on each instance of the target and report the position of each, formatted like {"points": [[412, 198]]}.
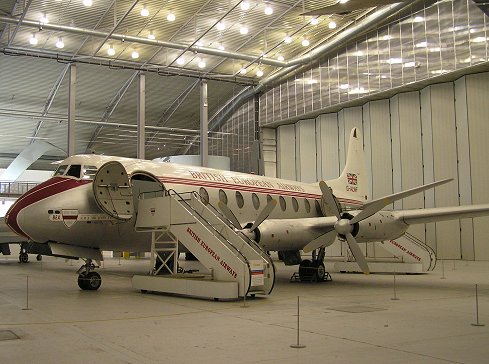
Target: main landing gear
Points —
{"points": [[313, 270], [88, 279]]}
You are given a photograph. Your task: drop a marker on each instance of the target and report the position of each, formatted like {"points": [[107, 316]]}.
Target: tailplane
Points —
{"points": [[353, 181]]}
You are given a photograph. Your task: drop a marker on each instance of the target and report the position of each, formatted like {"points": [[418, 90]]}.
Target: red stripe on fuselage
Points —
{"points": [[44, 190]]}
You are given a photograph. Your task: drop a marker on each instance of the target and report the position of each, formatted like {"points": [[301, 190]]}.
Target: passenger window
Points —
{"points": [[282, 202], [318, 208], [61, 170], [307, 205], [223, 197], [269, 198], [256, 201], [295, 204], [74, 171], [239, 199], [89, 172], [204, 195]]}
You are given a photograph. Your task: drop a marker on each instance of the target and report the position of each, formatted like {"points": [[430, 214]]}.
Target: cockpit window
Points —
{"points": [[61, 170], [89, 172], [74, 171]]}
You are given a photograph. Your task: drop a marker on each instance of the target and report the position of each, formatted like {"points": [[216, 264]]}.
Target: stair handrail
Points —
{"points": [[428, 248]]}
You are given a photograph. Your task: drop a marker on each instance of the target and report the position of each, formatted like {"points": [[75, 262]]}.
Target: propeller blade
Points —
{"points": [[374, 206], [264, 214], [329, 199], [357, 253], [229, 215], [320, 241]]}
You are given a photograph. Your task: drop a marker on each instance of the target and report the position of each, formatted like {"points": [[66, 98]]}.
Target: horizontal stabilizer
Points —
{"points": [[422, 216]]}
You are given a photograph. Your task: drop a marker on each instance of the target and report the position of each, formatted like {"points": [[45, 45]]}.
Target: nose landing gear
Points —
{"points": [[88, 279]]}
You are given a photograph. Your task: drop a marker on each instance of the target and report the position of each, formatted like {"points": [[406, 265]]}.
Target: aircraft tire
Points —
{"points": [[39, 257], [23, 258], [319, 270], [90, 281], [305, 271]]}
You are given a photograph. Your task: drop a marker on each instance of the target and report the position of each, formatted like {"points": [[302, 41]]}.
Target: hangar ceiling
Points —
{"points": [[175, 43]]}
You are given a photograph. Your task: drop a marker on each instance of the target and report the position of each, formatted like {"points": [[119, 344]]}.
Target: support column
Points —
{"points": [[71, 110], [141, 139], [204, 121]]}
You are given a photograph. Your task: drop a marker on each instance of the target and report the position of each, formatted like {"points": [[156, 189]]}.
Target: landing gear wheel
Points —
{"points": [[305, 271], [23, 258], [39, 257], [319, 270], [90, 281]]}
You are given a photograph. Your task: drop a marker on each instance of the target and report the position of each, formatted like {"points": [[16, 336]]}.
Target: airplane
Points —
{"points": [[91, 203]]}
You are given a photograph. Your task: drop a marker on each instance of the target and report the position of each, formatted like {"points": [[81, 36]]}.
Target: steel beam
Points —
{"points": [[71, 110], [204, 120], [141, 117]]}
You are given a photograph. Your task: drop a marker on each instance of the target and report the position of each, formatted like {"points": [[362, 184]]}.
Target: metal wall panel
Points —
{"points": [[428, 169], [269, 151], [478, 116], [411, 153], [396, 149], [464, 180], [380, 140], [445, 166], [305, 150], [327, 146], [286, 152], [367, 144]]}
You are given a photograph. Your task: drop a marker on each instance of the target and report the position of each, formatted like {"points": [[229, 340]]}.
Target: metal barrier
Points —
{"points": [[15, 189]]}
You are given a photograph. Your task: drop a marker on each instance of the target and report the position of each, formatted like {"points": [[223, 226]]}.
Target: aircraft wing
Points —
{"points": [[421, 216]]}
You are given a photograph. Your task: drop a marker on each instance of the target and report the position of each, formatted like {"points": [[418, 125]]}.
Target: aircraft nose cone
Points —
{"points": [[12, 218]]}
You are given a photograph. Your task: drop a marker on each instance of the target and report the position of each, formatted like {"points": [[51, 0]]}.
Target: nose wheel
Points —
{"points": [[88, 279]]}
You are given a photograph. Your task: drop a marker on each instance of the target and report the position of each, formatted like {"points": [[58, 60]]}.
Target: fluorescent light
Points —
{"points": [[144, 11], [411, 65], [170, 16], [305, 42], [259, 73], [221, 25], [268, 10], [343, 1], [111, 50], [418, 19], [60, 43], [288, 39], [243, 30], [332, 25], [358, 91], [387, 37], [394, 61], [87, 2], [135, 55], [344, 86], [44, 19], [478, 39], [422, 44], [33, 39], [180, 61], [201, 64], [151, 35], [245, 5]]}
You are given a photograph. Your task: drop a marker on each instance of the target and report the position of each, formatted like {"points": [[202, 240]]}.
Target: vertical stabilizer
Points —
{"points": [[353, 181]]}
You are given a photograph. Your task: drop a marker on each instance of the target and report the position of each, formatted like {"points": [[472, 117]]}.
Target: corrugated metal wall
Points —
{"points": [[411, 139]]}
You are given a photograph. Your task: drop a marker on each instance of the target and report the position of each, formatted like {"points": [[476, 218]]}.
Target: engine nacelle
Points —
{"points": [[380, 226], [289, 234]]}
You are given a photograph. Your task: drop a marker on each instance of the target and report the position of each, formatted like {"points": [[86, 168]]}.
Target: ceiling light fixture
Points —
{"points": [[245, 5], [221, 47], [422, 44], [171, 16], [281, 58], [418, 19], [259, 72], [111, 50], [243, 30], [144, 11], [343, 1], [180, 61], [151, 35], [268, 9], [33, 39], [60, 43], [44, 19], [87, 3], [305, 42], [220, 26], [332, 25], [288, 39], [135, 55], [243, 71], [201, 63], [314, 21]]}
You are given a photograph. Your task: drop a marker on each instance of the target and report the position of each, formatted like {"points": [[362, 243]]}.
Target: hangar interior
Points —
{"points": [[126, 78]]}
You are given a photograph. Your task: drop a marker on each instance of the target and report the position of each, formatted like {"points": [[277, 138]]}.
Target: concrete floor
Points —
{"points": [[350, 320]]}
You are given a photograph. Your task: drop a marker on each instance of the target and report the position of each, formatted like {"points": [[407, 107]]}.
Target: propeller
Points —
{"points": [[267, 210]]}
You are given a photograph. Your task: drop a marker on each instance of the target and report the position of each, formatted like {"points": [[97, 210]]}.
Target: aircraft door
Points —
{"points": [[113, 192]]}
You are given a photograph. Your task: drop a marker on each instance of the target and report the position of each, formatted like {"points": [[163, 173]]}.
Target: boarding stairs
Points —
{"points": [[238, 266]]}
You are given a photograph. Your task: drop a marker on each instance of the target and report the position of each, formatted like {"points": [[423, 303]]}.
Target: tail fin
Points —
{"points": [[353, 181]]}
